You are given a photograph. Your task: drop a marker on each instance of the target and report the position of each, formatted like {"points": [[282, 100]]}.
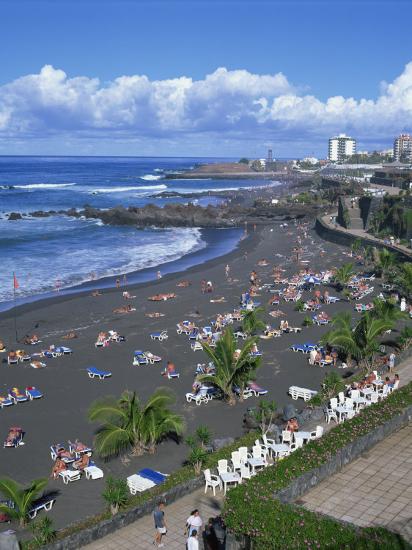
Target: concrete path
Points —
{"points": [[139, 535], [374, 490]]}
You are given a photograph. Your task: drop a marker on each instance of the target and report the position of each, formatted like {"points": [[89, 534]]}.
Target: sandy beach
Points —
{"points": [[68, 392]]}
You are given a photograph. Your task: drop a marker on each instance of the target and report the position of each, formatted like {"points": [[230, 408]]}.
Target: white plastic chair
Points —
{"points": [[265, 448], [355, 394], [236, 461], [333, 403], [286, 436], [245, 472], [223, 466], [330, 414], [317, 434], [297, 444], [212, 481], [341, 397], [243, 454]]}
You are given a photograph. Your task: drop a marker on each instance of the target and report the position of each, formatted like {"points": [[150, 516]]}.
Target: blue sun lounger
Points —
{"points": [[140, 358], [304, 348], [156, 477], [33, 393], [96, 373]]}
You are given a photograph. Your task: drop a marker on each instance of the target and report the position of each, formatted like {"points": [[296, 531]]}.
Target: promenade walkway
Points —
{"points": [[139, 535], [374, 490]]}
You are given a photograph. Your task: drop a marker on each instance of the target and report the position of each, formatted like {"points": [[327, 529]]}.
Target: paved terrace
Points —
{"points": [[375, 489]]}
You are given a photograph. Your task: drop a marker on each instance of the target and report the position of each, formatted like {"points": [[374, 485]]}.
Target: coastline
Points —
{"points": [[137, 280], [68, 392]]}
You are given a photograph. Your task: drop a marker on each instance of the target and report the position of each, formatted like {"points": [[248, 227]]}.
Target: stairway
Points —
{"points": [[356, 221]]}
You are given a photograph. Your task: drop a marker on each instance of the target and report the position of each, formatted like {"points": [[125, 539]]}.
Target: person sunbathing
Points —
{"points": [[183, 284], [124, 309], [37, 364], [102, 337], [13, 356], [170, 369], [83, 462], [154, 315], [127, 295], [69, 336], [78, 446], [12, 436], [58, 466], [2, 346], [63, 453]]}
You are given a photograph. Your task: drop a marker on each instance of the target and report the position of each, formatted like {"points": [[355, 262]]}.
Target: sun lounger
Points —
{"points": [[257, 390], [12, 360], [138, 484], [140, 358], [152, 475], [16, 395], [173, 374], [44, 503], [54, 453], [64, 350], [78, 449], [196, 346], [239, 334], [292, 329], [33, 393], [303, 348], [70, 475], [6, 402], [38, 364], [201, 397], [152, 358], [162, 335], [93, 372], [14, 438], [93, 472], [295, 392], [332, 300]]}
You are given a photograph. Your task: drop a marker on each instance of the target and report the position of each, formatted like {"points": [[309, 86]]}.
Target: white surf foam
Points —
{"points": [[44, 185], [150, 177], [127, 189]]}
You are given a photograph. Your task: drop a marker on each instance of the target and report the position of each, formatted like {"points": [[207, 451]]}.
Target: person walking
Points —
{"points": [[192, 541], [193, 522], [391, 364], [160, 524]]}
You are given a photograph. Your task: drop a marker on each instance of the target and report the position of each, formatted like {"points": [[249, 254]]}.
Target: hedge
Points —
{"points": [[251, 509]]}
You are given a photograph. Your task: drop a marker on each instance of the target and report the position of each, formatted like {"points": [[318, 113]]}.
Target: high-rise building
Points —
{"points": [[402, 148], [340, 147]]}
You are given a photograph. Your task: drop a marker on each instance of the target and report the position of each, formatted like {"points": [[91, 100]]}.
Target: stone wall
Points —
{"points": [[105, 527], [338, 236], [310, 479]]}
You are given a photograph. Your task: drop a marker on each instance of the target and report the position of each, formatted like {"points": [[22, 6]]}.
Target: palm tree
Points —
{"points": [[386, 262], [231, 369], [22, 498], [343, 275], [128, 423], [405, 278], [366, 334], [342, 336], [386, 309], [360, 342], [251, 322]]}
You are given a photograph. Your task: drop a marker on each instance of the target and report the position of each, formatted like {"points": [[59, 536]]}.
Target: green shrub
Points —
{"points": [[116, 493], [43, 531], [251, 509]]}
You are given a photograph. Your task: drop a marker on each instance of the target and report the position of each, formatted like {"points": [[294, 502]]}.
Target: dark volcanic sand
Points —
{"points": [[68, 392]]}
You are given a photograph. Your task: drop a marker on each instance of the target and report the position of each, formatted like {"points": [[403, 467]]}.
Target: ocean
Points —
{"points": [[62, 254]]}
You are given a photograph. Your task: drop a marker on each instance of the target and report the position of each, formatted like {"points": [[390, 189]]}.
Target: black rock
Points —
{"points": [[15, 216]]}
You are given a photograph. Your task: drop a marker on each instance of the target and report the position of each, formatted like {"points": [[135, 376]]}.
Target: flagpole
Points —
{"points": [[14, 300]]}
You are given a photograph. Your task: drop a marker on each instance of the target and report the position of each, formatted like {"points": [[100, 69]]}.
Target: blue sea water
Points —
{"points": [[61, 252]]}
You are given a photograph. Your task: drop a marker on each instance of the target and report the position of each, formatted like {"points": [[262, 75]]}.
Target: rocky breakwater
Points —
{"points": [[185, 215]]}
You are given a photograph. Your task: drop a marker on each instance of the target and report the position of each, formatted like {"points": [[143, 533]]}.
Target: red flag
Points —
{"points": [[15, 282]]}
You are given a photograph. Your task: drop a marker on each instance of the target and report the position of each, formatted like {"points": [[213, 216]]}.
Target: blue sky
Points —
{"points": [[87, 60]]}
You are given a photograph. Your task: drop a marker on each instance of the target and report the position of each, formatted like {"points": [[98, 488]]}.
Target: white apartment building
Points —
{"points": [[340, 147], [402, 148]]}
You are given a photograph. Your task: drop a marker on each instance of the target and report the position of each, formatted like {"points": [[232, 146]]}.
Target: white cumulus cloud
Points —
{"points": [[228, 103]]}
